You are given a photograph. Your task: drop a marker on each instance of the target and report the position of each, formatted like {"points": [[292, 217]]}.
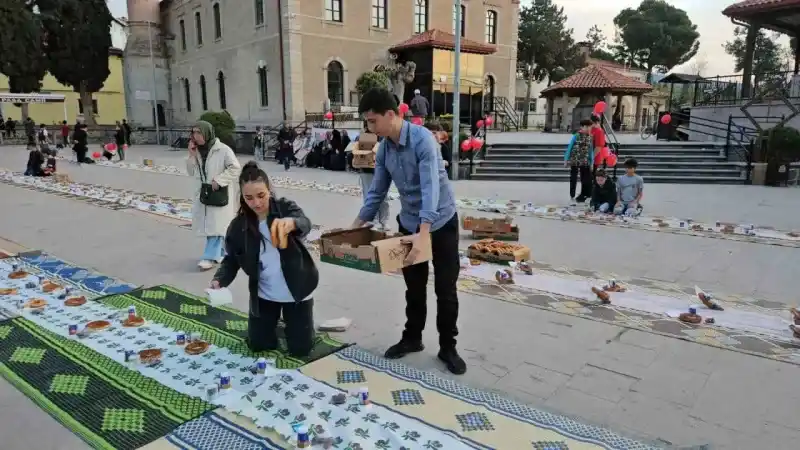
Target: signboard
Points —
{"points": [[22, 100], [31, 98], [142, 95]]}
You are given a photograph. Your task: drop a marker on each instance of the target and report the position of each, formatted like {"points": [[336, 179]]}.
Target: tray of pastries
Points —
{"points": [[507, 251], [97, 325], [36, 303], [196, 347], [75, 301], [150, 355], [17, 275], [133, 322], [8, 291], [49, 286]]}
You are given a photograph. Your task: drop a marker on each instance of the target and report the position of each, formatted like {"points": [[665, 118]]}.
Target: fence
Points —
{"points": [[727, 89]]}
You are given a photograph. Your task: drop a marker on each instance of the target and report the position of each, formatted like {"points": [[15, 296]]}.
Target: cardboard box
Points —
{"points": [[502, 225], [364, 151], [368, 250], [512, 235]]}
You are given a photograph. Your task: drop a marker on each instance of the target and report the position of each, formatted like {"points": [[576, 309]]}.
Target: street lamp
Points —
{"points": [[456, 92]]}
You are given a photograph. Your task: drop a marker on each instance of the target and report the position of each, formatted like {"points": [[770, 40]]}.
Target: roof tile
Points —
{"points": [[443, 40], [598, 77]]}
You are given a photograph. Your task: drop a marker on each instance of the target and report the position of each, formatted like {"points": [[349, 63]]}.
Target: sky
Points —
{"points": [[714, 28]]}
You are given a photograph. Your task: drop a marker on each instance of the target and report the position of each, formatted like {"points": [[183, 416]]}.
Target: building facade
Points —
{"points": [[268, 60]]}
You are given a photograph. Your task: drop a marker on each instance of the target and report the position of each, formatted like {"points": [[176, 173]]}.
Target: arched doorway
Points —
{"points": [[335, 83], [488, 94], [162, 117]]}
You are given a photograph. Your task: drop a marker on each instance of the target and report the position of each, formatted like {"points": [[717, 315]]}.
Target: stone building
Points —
{"points": [[268, 60]]}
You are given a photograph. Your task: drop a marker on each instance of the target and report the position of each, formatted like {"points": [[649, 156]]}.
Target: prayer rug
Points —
{"points": [[100, 400], [221, 326], [83, 278]]}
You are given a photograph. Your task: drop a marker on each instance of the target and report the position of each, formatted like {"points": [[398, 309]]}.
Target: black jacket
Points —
{"points": [[607, 193], [243, 249]]}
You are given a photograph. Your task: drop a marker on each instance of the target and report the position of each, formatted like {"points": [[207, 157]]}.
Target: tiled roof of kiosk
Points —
{"points": [[596, 77], [443, 40], [751, 6]]}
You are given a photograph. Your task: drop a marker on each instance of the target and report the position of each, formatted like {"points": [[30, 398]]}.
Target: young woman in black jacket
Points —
{"points": [[264, 240]]}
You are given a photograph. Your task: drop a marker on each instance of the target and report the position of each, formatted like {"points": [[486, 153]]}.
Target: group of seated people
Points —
{"points": [[41, 163], [621, 198], [330, 154]]}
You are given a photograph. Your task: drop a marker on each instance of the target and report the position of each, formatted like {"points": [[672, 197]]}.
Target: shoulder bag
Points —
{"points": [[208, 196]]}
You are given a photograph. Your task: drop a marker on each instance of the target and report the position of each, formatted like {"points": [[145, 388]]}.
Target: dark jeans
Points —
{"points": [[444, 243], [586, 181], [65, 141], [299, 320], [121, 152]]}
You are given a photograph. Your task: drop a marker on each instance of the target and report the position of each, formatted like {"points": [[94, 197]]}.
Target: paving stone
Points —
{"points": [[602, 382], [577, 403], [533, 380]]}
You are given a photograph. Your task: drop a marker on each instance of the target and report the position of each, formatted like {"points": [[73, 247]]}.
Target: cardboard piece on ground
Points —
{"points": [[219, 297], [338, 325], [368, 250], [61, 178]]}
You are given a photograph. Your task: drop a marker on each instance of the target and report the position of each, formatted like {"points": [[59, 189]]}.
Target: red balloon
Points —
{"points": [[666, 119], [480, 124], [111, 147], [600, 156], [476, 143], [611, 160], [600, 107], [328, 115], [403, 109], [417, 121], [489, 121], [96, 155], [466, 145]]}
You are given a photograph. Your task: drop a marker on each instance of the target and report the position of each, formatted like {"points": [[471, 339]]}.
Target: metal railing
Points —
{"points": [[727, 89], [503, 112]]}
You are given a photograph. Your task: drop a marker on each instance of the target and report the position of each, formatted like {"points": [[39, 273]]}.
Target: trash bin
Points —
{"points": [[777, 173]]}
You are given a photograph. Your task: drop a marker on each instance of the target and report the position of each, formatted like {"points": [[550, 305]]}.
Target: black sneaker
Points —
{"points": [[403, 348], [455, 364]]}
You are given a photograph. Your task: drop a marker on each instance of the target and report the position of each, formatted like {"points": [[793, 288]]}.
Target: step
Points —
{"points": [[644, 172], [648, 179], [643, 144], [642, 159], [622, 151]]}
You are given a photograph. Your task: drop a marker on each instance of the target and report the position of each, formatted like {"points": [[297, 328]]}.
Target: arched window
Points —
{"points": [[187, 94], [259, 7], [463, 20], [491, 27], [198, 28], [223, 103], [420, 16], [182, 28], [335, 83], [217, 21], [262, 86], [203, 97]]}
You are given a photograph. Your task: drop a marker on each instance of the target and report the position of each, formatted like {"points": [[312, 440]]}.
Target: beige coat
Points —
{"points": [[223, 167]]}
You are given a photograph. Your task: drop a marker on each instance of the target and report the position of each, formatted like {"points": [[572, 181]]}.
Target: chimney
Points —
{"points": [[585, 50]]}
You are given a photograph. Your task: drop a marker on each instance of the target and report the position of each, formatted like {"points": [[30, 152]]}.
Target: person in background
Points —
{"points": [[80, 142], [630, 188], [445, 149], [409, 156], [43, 138], [281, 280], [212, 163], [120, 138], [35, 161], [286, 137], [30, 132], [64, 134], [128, 131], [579, 157], [258, 144], [598, 137], [419, 105], [365, 177], [604, 193]]}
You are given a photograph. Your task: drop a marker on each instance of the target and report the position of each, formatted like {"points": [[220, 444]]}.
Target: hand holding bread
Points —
{"points": [[279, 232]]}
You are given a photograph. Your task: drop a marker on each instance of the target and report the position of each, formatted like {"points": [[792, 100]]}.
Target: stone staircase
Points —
{"points": [[673, 162]]}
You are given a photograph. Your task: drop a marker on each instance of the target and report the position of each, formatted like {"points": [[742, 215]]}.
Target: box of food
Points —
{"points": [[511, 235], [368, 250], [364, 151], [502, 225], [495, 251]]}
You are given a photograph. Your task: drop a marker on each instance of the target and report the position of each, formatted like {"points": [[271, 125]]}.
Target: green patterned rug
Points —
{"points": [[100, 400], [224, 327]]}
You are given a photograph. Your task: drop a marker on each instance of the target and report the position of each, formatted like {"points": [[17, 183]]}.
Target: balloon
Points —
{"points": [[600, 107], [96, 155], [466, 145], [403, 109], [124, 146], [611, 160], [476, 144], [417, 121], [479, 124], [111, 147], [328, 115], [489, 121], [600, 156], [666, 119]]}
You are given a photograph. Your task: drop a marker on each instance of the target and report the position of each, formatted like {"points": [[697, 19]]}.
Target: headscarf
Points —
{"points": [[207, 130]]}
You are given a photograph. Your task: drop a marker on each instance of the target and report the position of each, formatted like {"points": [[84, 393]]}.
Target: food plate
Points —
{"points": [[98, 325], [48, 287], [75, 301], [17, 275], [133, 322], [36, 303], [196, 347], [150, 355], [8, 291]]}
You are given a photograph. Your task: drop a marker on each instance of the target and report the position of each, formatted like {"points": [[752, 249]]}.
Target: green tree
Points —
{"points": [[22, 57], [369, 80], [223, 124], [597, 40], [768, 56], [656, 36], [78, 39], [545, 45]]}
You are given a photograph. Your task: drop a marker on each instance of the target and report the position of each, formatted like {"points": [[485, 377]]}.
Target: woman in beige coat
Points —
{"points": [[214, 163]]}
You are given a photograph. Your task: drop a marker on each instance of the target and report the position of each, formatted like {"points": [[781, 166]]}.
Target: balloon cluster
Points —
{"points": [[488, 121], [471, 143], [599, 108]]}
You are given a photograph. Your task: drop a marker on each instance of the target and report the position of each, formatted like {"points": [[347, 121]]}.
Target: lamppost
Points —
{"points": [[456, 91]]}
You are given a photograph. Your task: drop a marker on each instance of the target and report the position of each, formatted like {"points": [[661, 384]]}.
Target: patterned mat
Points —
{"points": [[225, 327], [103, 402], [83, 278]]}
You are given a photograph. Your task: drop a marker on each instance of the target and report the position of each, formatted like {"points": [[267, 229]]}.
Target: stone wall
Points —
{"points": [[706, 121]]}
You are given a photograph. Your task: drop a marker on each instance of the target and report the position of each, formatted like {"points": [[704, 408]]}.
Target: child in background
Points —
{"points": [[579, 157], [604, 193], [630, 188]]}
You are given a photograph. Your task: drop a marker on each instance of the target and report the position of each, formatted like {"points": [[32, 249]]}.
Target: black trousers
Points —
{"points": [[586, 180], [299, 320], [444, 246]]}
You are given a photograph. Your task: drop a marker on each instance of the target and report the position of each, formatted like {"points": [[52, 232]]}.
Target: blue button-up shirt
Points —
{"points": [[415, 165]]}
